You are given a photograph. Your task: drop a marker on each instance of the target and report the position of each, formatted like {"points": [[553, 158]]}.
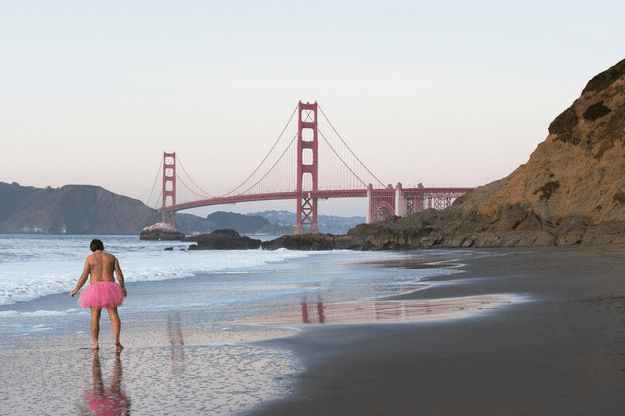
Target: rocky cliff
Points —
{"points": [[72, 209], [571, 191]]}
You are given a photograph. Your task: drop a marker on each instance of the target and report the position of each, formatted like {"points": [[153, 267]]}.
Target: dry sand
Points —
{"points": [[559, 352]]}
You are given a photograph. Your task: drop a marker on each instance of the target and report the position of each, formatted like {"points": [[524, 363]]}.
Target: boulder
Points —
{"points": [[161, 231], [225, 239]]}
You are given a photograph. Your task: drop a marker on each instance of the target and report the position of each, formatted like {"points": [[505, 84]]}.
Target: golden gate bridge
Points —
{"points": [[308, 162]]}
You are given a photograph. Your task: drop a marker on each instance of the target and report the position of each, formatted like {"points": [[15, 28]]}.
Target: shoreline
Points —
{"points": [[557, 348], [561, 353]]}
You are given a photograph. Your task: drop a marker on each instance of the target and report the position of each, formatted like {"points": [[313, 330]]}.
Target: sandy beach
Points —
{"points": [[518, 331], [560, 351]]}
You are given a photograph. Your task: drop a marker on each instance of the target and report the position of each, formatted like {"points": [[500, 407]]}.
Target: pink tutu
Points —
{"points": [[101, 295]]}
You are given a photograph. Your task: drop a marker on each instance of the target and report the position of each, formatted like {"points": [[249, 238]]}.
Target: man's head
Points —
{"points": [[96, 245]]}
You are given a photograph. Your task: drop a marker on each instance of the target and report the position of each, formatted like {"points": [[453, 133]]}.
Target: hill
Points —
{"points": [[327, 223], [571, 191], [246, 224], [71, 209]]}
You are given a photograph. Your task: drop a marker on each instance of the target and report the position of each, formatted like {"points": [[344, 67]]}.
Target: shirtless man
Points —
{"points": [[102, 291]]}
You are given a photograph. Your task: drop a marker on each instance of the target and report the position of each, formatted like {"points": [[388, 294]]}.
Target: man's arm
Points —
{"points": [[120, 276], [83, 278]]}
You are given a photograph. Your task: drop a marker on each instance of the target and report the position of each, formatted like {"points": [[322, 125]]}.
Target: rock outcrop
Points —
{"points": [[161, 231], [223, 240], [315, 242], [571, 191]]}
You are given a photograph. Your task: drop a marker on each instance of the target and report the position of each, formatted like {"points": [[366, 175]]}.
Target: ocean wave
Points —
{"points": [[22, 281], [41, 313]]}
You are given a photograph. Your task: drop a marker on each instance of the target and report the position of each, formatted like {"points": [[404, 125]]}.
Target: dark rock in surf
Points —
{"points": [[315, 242], [223, 240]]}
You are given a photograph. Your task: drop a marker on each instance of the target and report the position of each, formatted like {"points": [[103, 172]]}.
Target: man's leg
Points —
{"points": [[117, 325], [95, 326]]}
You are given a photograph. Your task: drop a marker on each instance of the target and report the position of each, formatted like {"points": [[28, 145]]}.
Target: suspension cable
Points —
{"points": [[350, 150], [191, 179], [274, 165], [191, 190], [261, 163], [160, 194], [341, 159], [156, 179]]}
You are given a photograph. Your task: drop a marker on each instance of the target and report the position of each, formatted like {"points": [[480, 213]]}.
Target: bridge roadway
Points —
{"points": [[321, 194]]}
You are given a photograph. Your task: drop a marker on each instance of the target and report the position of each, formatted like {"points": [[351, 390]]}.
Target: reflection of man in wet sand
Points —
{"points": [[102, 291], [106, 401]]}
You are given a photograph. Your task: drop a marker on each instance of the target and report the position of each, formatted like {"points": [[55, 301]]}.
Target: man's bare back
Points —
{"points": [[101, 265]]}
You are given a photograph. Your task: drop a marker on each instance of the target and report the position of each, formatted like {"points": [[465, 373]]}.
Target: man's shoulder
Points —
{"points": [[109, 256], [91, 260]]}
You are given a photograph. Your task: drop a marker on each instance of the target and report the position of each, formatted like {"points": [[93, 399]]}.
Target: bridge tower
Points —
{"points": [[307, 164], [169, 177]]}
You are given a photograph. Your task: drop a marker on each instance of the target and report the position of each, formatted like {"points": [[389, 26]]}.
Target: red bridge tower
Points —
{"points": [[307, 164], [169, 177]]}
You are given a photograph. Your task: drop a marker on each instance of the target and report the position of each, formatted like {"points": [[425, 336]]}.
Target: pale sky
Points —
{"points": [[446, 93]]}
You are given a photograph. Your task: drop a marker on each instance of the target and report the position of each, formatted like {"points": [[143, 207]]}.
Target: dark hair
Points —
{"points": [[96, 245]]}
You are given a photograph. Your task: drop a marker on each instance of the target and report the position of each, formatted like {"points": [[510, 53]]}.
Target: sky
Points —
{"points": [[444, 93]]}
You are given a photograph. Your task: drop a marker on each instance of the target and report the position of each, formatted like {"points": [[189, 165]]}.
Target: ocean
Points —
{"points": [[190, 318], [35, 266]]}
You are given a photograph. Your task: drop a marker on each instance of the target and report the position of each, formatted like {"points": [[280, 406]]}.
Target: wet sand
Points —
{"points": [[559, 351], [174, 362], [382, 311]]}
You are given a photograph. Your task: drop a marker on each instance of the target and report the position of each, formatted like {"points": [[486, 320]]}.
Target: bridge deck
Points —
{"points": [[320, 194]]}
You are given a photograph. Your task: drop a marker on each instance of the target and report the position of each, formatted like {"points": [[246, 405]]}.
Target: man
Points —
{"points": [[102, 291]]}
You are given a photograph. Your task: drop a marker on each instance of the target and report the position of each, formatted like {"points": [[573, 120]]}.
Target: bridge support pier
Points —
{"points": [[401, 204], [369, 217], [382, 203]]}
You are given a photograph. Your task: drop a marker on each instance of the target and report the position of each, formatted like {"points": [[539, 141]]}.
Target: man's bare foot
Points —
{"points": [[118, 345], [94, 347]]}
